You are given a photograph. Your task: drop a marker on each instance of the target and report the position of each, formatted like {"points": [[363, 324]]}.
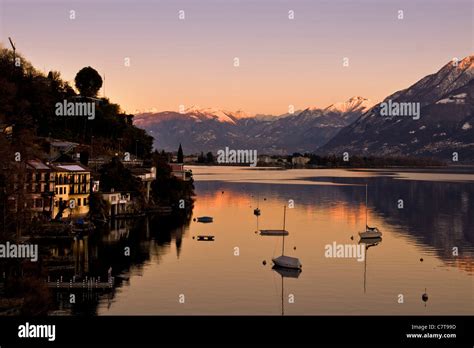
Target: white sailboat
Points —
{"points": [[283, 260], [370, 232]]}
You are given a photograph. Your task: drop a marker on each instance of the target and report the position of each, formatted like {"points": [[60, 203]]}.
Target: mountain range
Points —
{"points": [[207, 129], [444, 126]]}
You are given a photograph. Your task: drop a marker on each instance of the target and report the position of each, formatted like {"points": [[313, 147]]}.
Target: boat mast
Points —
{"points": [[284, 221], [366, 207]]}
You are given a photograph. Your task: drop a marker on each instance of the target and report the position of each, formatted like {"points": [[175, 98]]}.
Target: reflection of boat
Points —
{"points": [[369, 242], [205, 219], [287, 272], [370, 232], [283, 260]]}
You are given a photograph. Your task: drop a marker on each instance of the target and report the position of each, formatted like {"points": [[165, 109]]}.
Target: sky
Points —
{"points": [[282, 61]]}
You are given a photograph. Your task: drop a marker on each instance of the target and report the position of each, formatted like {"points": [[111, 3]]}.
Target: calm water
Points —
{"points": [[329, 206]]}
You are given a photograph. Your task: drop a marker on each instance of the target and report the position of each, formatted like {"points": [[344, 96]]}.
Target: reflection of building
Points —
{"points": [[72, 185], [119, 202]]}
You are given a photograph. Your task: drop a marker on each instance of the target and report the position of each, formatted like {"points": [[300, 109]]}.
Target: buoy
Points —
{"points": [[264, 262], [421, 260], [424, 297]]}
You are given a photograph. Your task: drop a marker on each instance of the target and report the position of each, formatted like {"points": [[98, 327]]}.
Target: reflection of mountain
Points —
{"points": [[437, 214]]}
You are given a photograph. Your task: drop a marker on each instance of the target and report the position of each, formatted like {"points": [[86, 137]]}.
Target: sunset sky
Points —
{"points": [[282, 61]]}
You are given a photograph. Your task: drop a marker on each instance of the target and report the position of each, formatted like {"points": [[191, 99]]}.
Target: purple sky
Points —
{"points": [[282, 61]]}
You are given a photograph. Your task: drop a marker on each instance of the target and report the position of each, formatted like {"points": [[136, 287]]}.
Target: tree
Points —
{"points": [[180, 154], [209, 158], [88, 82]]}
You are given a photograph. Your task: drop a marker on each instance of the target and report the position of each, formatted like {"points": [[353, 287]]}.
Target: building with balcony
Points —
{"points": [[72, 188]]}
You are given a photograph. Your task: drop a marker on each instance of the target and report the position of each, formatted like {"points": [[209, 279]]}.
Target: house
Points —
{"points": [[39, 188], [299, 161], [72, 188], [119, 202], [147, 176], [57, 148], [178, 171]]}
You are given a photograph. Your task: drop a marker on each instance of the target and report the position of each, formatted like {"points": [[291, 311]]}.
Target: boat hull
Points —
{"points": [[274, 232], [287, 262]]}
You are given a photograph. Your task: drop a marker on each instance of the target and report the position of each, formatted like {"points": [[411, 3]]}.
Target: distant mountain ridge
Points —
{"points": [[444, 129], [445, 125], [207, 129]]}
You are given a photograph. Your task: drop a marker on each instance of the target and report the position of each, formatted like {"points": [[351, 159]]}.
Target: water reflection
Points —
{"points": [[369, 243], [166, 261]]}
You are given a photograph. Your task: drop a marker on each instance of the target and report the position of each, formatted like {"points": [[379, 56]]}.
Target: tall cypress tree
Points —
{"points": [[180, 154]]}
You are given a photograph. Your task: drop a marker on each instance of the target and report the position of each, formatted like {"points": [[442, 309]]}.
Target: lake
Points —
{"points": [[426, 217]]}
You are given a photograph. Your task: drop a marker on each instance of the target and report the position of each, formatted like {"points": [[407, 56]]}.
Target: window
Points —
{"points": [[60, 190], [78, 202], [56, 190]]}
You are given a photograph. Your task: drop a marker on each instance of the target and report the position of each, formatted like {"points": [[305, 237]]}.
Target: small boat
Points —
{"points": [[370, 232], [256, 211], [274, 232], [205, 219], [284, 261], [287, 262], [205, 238], [81, 227]]}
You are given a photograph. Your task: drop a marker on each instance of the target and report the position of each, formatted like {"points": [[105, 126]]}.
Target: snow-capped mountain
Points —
{"points": [[354, 104], [445, 124], [208, 129]]}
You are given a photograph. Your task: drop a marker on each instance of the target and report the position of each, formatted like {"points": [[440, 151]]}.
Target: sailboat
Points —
{"points": [[370, 232], [283, 260]]}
